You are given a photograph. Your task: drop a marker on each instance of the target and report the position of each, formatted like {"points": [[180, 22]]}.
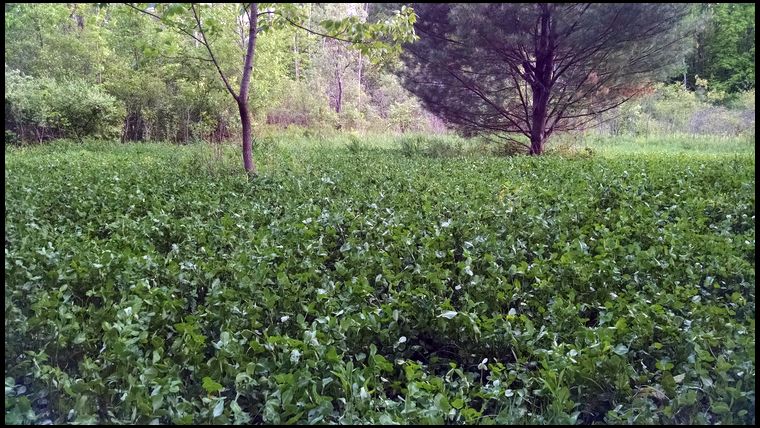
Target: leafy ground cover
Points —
{"points": [[370, 284]]}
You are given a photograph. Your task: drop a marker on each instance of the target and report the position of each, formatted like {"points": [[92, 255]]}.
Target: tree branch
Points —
{"points": [[173, 24], [295, 24], [211, 53]]}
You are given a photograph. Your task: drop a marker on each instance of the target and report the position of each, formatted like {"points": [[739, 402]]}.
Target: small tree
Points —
{"points": [[535, 69], [376, 39]]}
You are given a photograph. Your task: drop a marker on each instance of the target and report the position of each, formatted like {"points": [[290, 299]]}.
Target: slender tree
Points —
{"points": [[535, 69], [241, 98], [376, 38]]}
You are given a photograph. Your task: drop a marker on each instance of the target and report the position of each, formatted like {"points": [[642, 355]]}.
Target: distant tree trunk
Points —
{"points": [[125, 128], [339, 96], [364, 6], [295, 54], [78, 19]]}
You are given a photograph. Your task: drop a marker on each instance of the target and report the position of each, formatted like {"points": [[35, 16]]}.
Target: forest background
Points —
{"points": [[77, 70]]}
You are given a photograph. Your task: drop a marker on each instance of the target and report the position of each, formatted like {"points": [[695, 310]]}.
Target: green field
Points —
{"points": [[378, 281]]}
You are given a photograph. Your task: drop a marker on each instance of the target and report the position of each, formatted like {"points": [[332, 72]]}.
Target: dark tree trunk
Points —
{"points": [[536, 142], [134, 127], [541, 84], [245, 120]]}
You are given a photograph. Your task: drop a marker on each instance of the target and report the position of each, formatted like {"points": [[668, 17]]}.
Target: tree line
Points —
{"points": [[517, 73]]}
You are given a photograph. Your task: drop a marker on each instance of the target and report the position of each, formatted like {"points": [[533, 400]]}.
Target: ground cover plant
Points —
{"points": [[371, 283]]}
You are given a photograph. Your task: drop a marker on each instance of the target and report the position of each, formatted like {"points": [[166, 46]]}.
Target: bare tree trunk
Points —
{"points": [[339, 97], [241, 32], [125, 129], [364, 6], [242, 99], [295, 53]]}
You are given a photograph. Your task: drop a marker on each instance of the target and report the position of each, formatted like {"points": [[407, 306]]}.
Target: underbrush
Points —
{"points": [[360, 285]]}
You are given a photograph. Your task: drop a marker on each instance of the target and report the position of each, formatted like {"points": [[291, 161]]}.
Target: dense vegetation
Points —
{"points": [[724, 47], [357, 283], [166, 89], [373, 266], [130, 76]]}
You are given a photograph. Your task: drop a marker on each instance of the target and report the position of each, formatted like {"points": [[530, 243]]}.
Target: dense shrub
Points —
{"points": [[299, 106], [673, 109], [80, 109], [11, 138], [39, 109], [178, 111], [434, 146], [405, 116]]}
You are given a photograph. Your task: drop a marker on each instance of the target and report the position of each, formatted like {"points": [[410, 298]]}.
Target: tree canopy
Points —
{"points": [[725, 47]]}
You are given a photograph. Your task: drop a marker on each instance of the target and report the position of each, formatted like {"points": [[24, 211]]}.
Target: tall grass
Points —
{"points": [[668, 143]]}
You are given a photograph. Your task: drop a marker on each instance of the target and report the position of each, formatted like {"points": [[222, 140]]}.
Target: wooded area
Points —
{"points": [[165, 72]]}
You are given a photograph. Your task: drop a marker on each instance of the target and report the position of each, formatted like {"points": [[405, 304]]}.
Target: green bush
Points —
{"points": [[673, 109], [745, 101], [42, 109], [405, 116], [11, 138], [80, 109], [27, 106], [300, 107], [443, 148]]}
